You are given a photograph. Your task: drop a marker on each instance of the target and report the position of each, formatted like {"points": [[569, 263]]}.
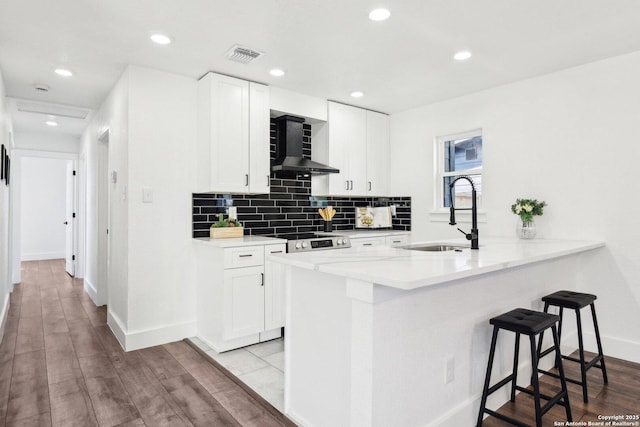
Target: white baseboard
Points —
{"points": [[620, 348], [38, 256], [91, 291], [117, 328], [4, 314], [613, 346], [149, 337]]}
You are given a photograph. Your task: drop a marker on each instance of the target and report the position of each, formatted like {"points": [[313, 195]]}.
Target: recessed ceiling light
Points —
{"points": [[379, 14], [161, 38], [63, 72], [463, 55], [357, 94], [51, 123], [276, 72]]}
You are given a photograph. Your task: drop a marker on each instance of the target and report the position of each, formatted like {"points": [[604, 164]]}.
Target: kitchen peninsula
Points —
{"points": [[388, 336]]}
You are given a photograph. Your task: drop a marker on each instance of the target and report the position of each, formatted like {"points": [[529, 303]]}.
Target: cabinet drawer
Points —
{"points": [[368, 241], [279, 248], [247, 256], [400, 240]]}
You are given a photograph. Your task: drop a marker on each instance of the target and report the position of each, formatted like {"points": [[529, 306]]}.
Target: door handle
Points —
{"points": [[346, 183], [65, 223], [369, 185], [246, 180], [268, 180]]}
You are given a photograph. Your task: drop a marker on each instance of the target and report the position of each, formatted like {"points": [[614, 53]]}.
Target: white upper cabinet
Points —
{"points": [[233, 135], [347, 149], [357, 143], [378, 151], [259, 138]]}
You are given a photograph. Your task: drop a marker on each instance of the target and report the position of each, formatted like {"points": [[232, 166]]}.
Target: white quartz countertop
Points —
{"points": [[410, 269], [365, 232], [239, 241]]}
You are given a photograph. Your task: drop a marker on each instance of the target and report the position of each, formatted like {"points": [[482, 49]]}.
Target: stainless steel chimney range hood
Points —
{"points": [[289, 158]]}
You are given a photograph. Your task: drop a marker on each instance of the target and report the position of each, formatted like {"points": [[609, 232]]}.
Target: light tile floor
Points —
{"points": [[260, 366]]}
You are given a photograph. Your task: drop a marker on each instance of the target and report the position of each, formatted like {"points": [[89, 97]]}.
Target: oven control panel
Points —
{"points": [[319, 243]]}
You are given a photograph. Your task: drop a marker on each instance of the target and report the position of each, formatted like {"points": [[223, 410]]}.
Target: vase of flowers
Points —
{"points": [[526, 209]]}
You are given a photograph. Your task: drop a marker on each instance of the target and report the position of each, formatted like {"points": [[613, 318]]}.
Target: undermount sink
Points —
{"points": [[436, 248]]}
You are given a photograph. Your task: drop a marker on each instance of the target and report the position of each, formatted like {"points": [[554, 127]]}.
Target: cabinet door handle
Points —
{"points": [[397, 241], [275, 252], [246, 180], [261, 279], [268, 180], [346, 185], [367, 244], [369, 185], [245, 255]]}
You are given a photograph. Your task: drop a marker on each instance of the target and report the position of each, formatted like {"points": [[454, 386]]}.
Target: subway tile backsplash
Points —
{"points": [[289, 207]]}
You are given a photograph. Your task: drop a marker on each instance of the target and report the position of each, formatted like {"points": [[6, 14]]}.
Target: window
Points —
{"points": [[458, 155]]}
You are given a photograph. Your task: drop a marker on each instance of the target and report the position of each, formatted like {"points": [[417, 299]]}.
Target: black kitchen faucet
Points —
{"points": [[473, 236]]}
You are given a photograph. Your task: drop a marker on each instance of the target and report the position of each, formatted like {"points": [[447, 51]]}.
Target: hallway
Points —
{"points": [[61, 365]]}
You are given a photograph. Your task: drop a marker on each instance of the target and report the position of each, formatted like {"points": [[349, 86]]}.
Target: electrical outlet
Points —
{"points": [[449, 372]]}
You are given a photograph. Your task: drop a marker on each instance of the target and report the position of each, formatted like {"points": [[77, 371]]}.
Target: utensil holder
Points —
{"points": [[328, 226]]}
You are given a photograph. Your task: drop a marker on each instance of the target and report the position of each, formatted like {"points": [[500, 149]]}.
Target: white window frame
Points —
{"points": [[440, 213]]}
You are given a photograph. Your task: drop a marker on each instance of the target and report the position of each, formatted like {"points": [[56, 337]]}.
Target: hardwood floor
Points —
{"points": [[621, 396], [60, 365]]}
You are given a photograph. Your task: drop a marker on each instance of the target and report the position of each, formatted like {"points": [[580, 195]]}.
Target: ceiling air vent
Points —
{"points": [[243, 55]]}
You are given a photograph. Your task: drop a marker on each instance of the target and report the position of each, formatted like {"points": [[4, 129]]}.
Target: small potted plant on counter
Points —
{"points": [[526, 209], [226, 228]]}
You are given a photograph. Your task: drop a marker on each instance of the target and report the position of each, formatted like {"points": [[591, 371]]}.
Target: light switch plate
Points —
{"points": [[147, 195]]}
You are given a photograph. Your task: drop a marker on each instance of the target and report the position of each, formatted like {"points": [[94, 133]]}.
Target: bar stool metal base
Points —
{"points": [[531, 323], [575, 301]]}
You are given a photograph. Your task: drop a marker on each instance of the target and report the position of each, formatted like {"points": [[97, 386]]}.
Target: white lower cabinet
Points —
{"points": [[243, 296], [273, 289], [240, 295]]}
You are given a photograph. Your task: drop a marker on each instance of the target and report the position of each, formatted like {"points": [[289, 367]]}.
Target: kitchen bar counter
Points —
{"points": [[411, 269], [388, 336]]}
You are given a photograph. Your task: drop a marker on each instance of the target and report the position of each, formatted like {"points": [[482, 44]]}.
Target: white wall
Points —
{"points": [[151, 118], [569, 138], [47, 141], [162, 137], [112, 117], [43, 187], [5, 249]]}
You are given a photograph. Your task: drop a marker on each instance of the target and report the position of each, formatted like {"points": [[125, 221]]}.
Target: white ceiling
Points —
{"points": [[328, 48]]}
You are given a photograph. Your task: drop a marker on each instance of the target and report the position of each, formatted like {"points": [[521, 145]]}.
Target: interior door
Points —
{"points": [[69, 221]]}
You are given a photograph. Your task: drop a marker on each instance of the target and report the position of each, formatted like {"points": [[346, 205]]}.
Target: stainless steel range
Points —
{"points": [[304, 242]]}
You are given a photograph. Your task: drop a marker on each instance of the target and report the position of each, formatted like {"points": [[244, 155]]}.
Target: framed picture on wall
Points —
{"points": [[2, 155]]}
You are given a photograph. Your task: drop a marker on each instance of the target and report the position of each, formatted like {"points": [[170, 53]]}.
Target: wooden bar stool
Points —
{"points": [[530, 323], [576, 301]]}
